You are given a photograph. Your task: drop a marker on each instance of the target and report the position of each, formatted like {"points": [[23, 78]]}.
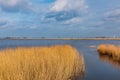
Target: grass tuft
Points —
{"points": [[60, 62], [110, 50]]}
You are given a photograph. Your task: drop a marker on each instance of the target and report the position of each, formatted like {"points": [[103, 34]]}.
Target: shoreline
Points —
{"points": [[60, 39]]}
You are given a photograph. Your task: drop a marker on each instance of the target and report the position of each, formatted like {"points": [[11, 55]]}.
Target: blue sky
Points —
{"points": [[60, 18]]}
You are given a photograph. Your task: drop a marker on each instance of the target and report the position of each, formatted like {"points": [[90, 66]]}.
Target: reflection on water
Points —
{"points": [[108, 59]]}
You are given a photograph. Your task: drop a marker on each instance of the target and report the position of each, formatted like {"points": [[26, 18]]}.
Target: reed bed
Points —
{"points": [[110, 50], [61, 62]]}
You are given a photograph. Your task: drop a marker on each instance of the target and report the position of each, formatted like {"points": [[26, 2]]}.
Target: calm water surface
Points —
{"points": [[97, 67]]}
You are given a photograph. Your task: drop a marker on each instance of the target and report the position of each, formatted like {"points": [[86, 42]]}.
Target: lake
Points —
{"points": [[97, 67]]}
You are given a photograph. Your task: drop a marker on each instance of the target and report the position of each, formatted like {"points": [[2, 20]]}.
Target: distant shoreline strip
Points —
{"points": [[61, 39]]}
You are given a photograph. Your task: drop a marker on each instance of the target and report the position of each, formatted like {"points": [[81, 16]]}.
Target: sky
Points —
{"points": [[60, 18]]}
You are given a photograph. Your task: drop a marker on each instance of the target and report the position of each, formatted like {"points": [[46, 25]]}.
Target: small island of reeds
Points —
{"points": [[110, 50]]}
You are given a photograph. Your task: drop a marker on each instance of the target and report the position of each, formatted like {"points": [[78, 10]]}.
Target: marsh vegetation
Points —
{"points": [[61, 62], [110, 50]]}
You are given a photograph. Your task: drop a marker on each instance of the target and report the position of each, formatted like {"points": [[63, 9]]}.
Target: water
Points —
{"points": [[97, 67]]}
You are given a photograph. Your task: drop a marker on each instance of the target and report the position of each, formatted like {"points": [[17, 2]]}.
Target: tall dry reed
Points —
{"points": [[110, 50], [60, 62]]}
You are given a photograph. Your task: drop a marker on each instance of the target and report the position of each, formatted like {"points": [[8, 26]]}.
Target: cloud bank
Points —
{"points": [[14, 5], [113, 15], [66, 5], [67, 11]]}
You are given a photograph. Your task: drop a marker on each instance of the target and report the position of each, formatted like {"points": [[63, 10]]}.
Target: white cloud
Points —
{"points": [[66, 5], [113, 12], [67, 11], [3, 22], [10, 2], [33, 27], [14, 5], [73, 20], [113, 15]]}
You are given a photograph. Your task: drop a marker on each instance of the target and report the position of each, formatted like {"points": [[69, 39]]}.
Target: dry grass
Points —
{"points": [[41, 63], [110, 50]]}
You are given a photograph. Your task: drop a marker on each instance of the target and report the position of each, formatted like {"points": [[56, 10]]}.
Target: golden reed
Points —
{"points": [[60, 62], [110, 50]]}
